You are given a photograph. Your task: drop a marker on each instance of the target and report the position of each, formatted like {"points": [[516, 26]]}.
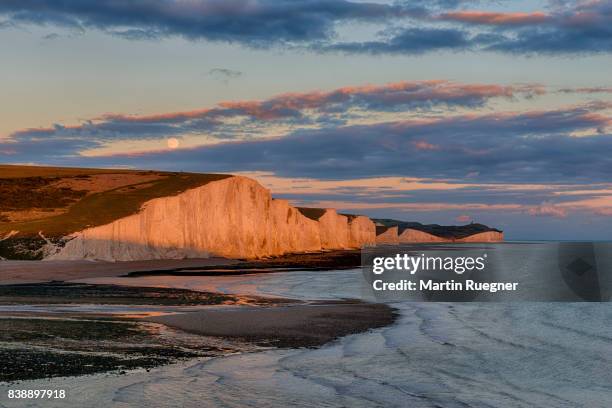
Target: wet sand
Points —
{"points": [[43, 326], [15, 272], [33, 347], [38, 341], [60, 293], [317, 261], [287, 326]]}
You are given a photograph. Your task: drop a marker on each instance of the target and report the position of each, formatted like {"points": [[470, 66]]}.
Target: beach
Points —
{"points": [[50, 320], [434, 354], [291, 338]]}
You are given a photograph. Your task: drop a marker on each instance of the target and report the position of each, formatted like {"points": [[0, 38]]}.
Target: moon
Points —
{"points": [[173, 143]]}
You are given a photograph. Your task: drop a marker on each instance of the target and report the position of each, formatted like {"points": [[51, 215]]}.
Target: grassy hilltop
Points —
{"points": [[58, 201]]}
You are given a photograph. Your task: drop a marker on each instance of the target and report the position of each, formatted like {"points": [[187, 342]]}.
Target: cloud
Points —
{"points": [[390, 97], [407, 28], [224, 74], [51, 36], [519, 147], [137, 34], [251, 22], [441, 4], [587, 90], [582, 28], [407, 41], [547, 209], [425, 195], [495, 19], [422, 145], [235, 119], [392, 130], [463, 218]]}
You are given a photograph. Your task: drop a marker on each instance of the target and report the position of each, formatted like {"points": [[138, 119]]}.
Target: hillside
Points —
{"points": [[59, 201], [56, 202]]}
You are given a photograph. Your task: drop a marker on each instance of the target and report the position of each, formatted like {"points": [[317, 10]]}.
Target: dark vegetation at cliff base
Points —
{"points": [[26, 248]]}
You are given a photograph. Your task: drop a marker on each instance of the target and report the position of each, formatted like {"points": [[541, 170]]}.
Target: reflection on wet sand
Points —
{"points": [[45, 321]]}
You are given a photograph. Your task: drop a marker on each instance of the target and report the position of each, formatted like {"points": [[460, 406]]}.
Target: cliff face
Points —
{"points": [[386, 235], [235, 217], [362, 231], [334, 230], [412, 235], [489, 236], [416, 236]]}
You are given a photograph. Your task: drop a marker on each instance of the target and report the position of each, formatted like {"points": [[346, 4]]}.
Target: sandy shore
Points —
{"points": [[284, 326], [38, 340], [42, 324]]}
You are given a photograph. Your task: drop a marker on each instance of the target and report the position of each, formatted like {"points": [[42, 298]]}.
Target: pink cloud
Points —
{"points": [[587, 90], [499, 19], [547, 209], [170, 116], [423, 145], [463, 218], [413, 207], [377, 97]]}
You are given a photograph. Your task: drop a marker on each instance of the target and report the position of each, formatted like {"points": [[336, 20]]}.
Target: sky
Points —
{"points": [[438, 111]]}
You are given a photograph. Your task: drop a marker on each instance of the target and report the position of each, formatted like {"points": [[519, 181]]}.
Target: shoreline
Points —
{"points": [[21, 272], [295, 326], [44, 325]]}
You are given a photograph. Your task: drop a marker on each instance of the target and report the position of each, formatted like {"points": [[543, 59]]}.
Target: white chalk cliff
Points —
{"points": [[234, 217], [339, 231], [362, 231], [412, 235], [488, 236], [386, 235]]}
